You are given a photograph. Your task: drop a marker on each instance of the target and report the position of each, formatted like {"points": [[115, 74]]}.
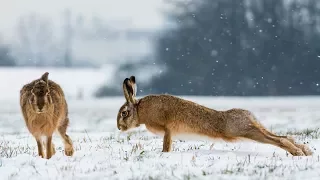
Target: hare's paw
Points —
{"points": [[165, 150], [298, 152], [307, 151], [69, 151]]}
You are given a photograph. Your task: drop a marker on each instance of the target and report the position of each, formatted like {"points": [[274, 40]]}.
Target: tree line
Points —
{"points": [[240, 48]]}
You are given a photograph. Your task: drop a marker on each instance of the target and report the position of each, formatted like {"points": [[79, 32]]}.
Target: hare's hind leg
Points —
{"points": [[306, 150], [68, 146], [258, 135], [53, 149]]}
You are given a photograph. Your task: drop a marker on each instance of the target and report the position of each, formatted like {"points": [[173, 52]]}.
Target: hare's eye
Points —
{"points": [[124, 113]]}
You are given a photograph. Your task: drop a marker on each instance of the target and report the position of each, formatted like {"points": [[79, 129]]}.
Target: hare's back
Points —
{"points": [[53, 86], [164, 108], [26, 88], [25, 93]]}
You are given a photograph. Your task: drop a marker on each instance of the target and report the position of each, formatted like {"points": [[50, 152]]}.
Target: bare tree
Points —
{"points": [[35, 40], [68, 32]]}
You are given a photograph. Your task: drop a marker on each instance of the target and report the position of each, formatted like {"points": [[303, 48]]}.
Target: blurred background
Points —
{"points": [[181, 47]]}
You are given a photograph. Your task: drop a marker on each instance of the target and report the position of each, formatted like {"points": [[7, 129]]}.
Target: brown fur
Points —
{"points": [[171, 116], [45, 110]]}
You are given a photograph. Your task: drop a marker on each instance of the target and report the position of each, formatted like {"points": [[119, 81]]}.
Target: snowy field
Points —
{"points": [[104, 153]]}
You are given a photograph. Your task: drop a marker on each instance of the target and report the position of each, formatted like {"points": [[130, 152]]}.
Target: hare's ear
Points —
{"points": [[44, 77], [134, 85], [128, 91]]}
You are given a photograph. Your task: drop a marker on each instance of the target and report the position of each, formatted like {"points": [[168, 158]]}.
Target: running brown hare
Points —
{"points": [[171, 116], [45, 110]]}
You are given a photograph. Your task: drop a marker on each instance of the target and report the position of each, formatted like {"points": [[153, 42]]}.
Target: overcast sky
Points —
{"points": [[143, 13]]}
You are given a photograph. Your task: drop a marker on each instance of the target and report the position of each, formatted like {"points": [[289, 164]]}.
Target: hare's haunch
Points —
{"points": [[173, 116], [45, 110]]}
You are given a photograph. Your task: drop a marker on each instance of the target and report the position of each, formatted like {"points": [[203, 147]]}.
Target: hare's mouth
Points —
{"points": [[122, 128], [39, 111]]}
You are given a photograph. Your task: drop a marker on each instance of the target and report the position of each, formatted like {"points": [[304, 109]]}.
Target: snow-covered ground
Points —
{"points": [[104, 153]]}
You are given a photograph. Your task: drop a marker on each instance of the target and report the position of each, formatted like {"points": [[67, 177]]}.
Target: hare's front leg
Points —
{"points": [[167, 141], [68, 146], [40, 147], [50, 147]]}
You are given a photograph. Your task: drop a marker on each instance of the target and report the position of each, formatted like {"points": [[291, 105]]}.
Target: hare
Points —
{"points": [[171, 116], [45, 110]]}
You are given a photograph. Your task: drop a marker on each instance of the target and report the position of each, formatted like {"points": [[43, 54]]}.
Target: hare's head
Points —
{"points": [[40, 95], [127, 115]]}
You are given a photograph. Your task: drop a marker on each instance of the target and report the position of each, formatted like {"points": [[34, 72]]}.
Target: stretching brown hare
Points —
{"points": [[171, 116], [45, 110]]}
